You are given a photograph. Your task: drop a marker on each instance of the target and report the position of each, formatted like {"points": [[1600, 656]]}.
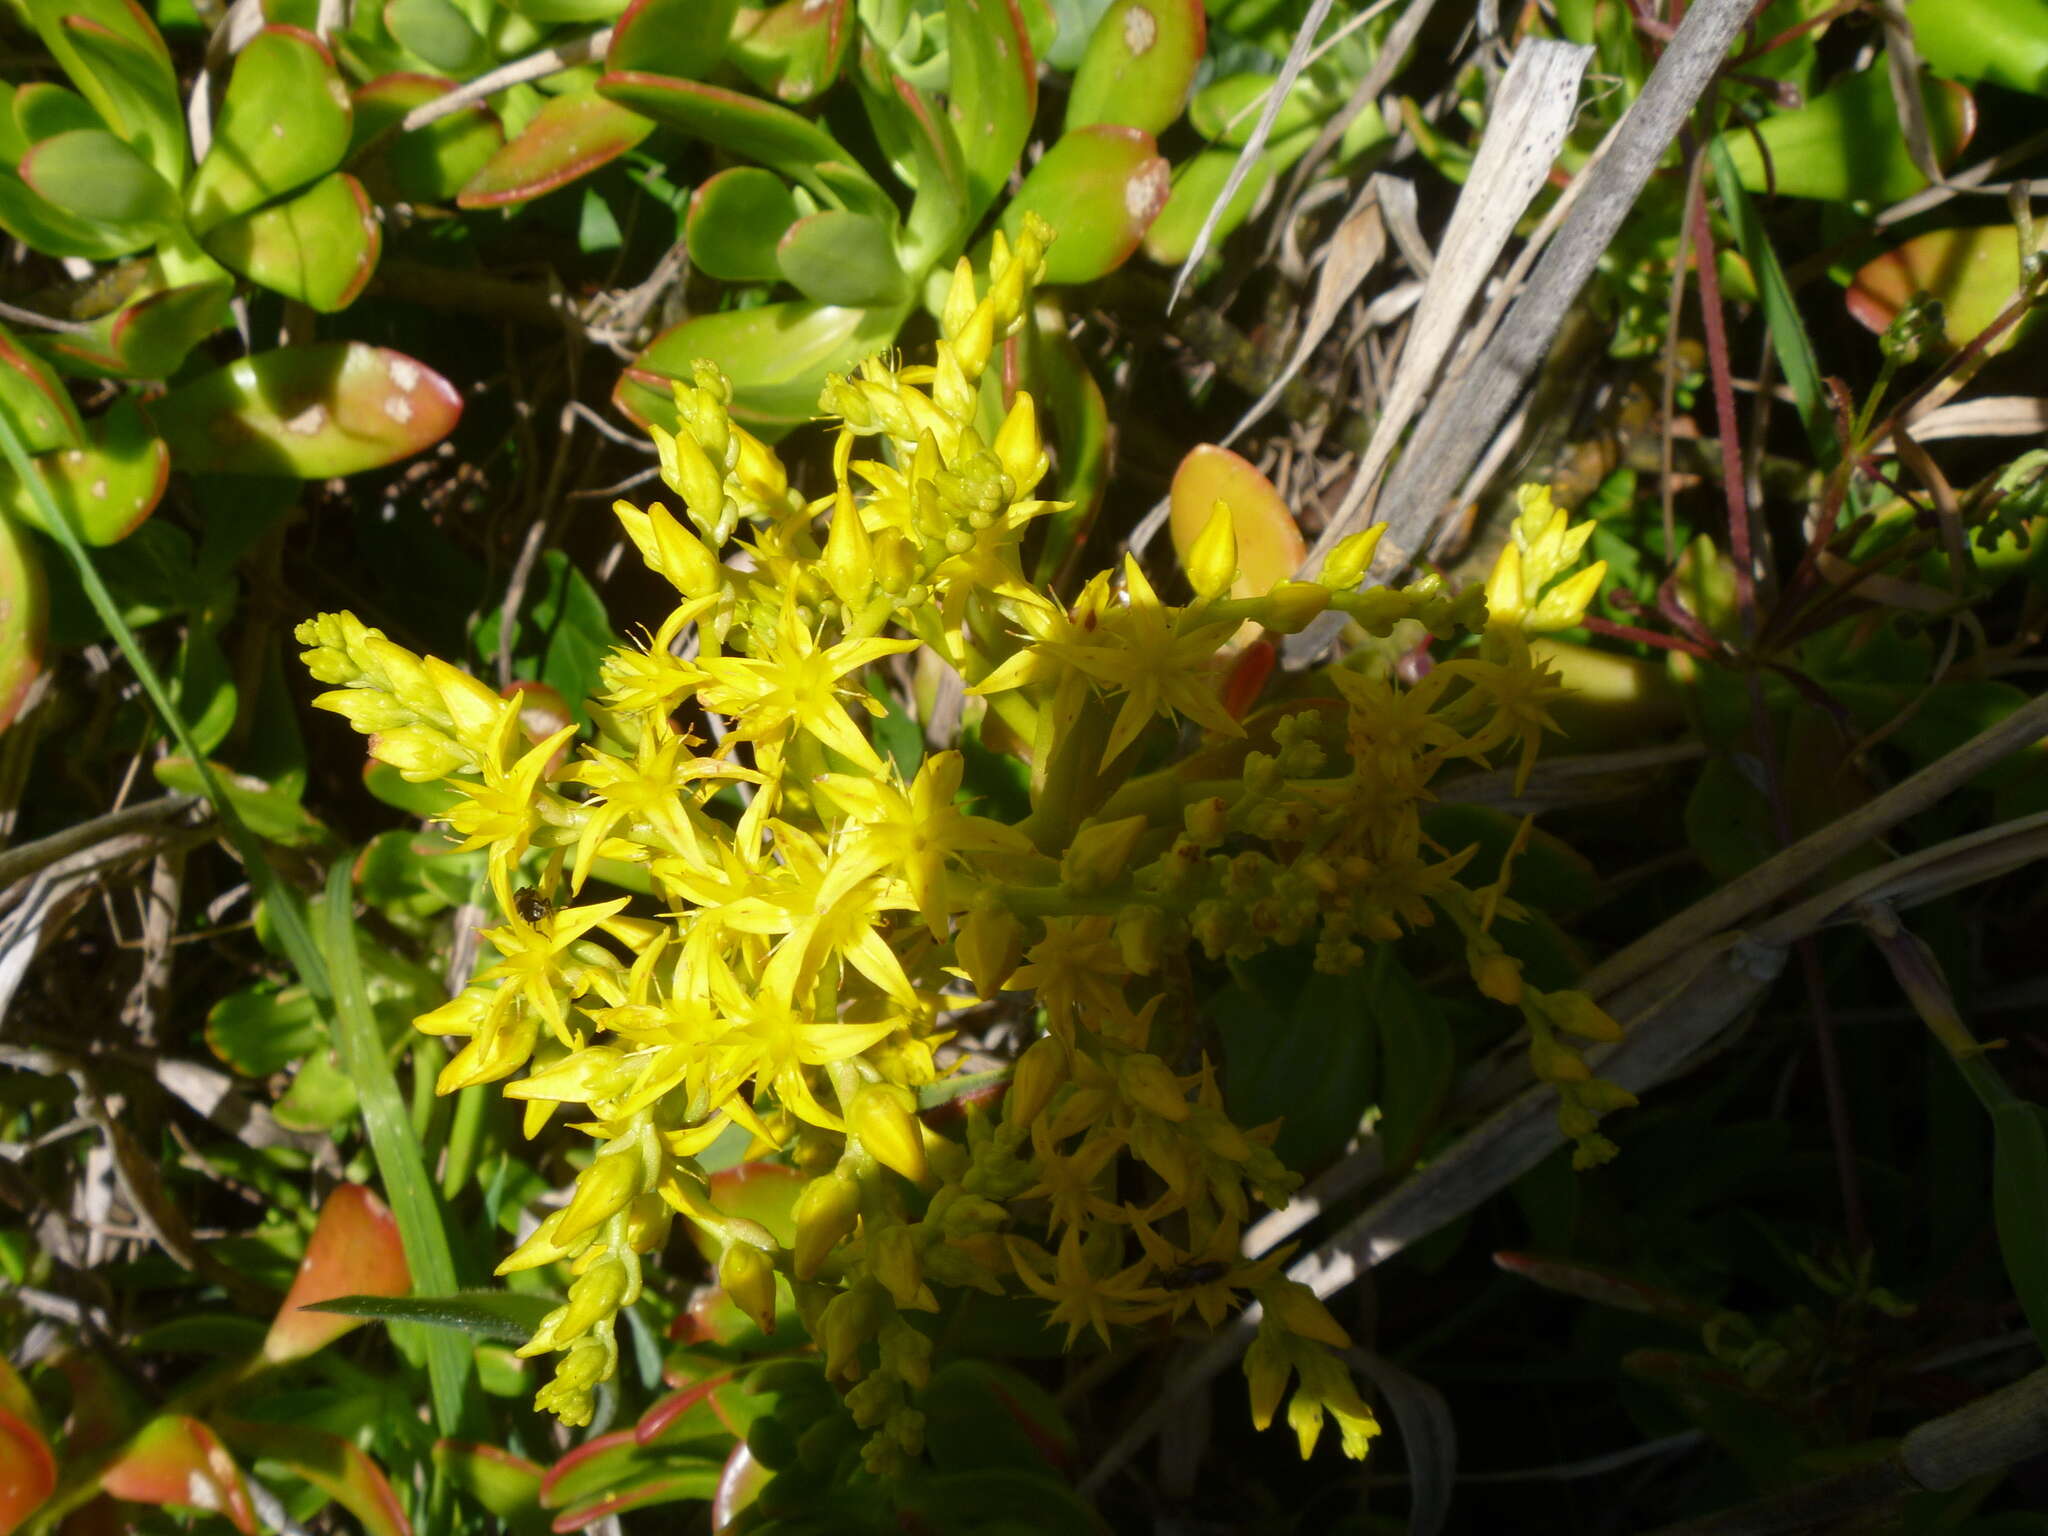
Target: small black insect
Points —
{"points": [[1190, 1277], [531, 905]]}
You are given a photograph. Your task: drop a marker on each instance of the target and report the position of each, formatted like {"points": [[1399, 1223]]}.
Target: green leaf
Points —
{"points": [[147, 338], [506, 1485], [1846, 145], [794, 50], [1298, 1048], [2004, 42], [1140, 65], [1197, 183], [309, 412], [792, 146], [573, 135], [321, 1097], [980, 1415], [318, 248], [43, 110], [105, 488], [35, 400], [1418, 1058], [1100, 188], [1225, 111], [736, 221], [992, 93], [116, 57], [2019, 1192], [926, 152], [1270, 548], [776, 356], [556, 12], [284, 121], [42, 226], [430, 164], [508, 1316], [271, 811], [24, 618], [331, 1464], [135, 89], [836, 257], [683, 39], [562, 637], [1079, 427], [438, 33], [399, 1159], [94, 176], [264, 1029]]}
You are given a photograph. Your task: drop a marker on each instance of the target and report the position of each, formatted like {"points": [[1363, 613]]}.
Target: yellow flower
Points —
{"points": [[648, 790], [796, 685], [769, 1040], [1081, 1298], [531, 969]]}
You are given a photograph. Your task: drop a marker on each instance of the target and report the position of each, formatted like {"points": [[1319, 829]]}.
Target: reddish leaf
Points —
{"points": [[333, 1465], [430, 164], [794, 50], [506, 1485], [657, 1421], [35, 400], [28, 1472], [739, 1484], [570, 137], [106, 488], [1975, 273], [763, 1192], [178, 1462], [1269, 544], [311, 412], [148, 338], [355, 1251], [318, 247]]}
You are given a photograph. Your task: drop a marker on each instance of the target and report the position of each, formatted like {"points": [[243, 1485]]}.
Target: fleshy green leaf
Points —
{"points": [[776, 356], [331, 1464], [24, 619], [2019, 1188], [42, 110], [572, 136], [43, 226], [736, 220], [106, 487], [438, 33], [1100, 188], [1197, 183], [743, 125], [284, 121], [836, 257], [2004, 42], [683, 39], [1226, 111], [1846, 144], [309, 412], [506, 1485], [96, 177], [35, 400], [993, 92], [318, 247], [793, 50], [133, 86], [430, 164], [1140, 65], [1975, 273], [148, 338]]}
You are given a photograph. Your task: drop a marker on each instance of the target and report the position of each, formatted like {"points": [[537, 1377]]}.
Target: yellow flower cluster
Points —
{"points": [[819, 923]]}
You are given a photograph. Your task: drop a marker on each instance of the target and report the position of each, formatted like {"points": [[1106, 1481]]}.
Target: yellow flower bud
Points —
{"points": [[1565, 604], [747, 1276], [543, 1247], [593, 1298], [1100, 854], [1019, 446], [849, 554], [1141, 936], [825, 1213], [1498, 975], [989, 946], [648, 1220], [1297, 1309], [1554, 1062], [1146, 1081], [892, 1255], [1212, 561], [1266, 1370], [847, 1323], [1345, 566], [880, 1116], [1207, 821], [602, 1191], [419, 753], [1035, 1079], [1578, 1014], [1504, 599], [1293, 605]]}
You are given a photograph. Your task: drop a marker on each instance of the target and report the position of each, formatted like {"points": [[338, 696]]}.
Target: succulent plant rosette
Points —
{"points": [[830, 926]]}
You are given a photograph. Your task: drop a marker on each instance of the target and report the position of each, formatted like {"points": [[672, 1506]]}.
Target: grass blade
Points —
{"points": [[399, 1158]]}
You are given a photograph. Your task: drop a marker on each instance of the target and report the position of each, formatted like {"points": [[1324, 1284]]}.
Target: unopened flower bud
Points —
{"points": [[1297, 1309], [1035, 1079], [847, 1323], [1293, 605], [825, 1213], [1207, 821], [1553, 1062], [892, 1255], [1346, 565], [419, 753], [880, 1116], [989, 946], [747, 1276], [1100, 854], [602, 1191], [1498, 975], [1212, 560], [1147, 1082], [1141, 936], [1578, 1014]]}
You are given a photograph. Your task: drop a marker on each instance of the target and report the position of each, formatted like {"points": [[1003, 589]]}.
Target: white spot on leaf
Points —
{"points": [[403, 372], [1141, 31], [1145, 193], [201, 1491], [398, 408], [308, 421]]}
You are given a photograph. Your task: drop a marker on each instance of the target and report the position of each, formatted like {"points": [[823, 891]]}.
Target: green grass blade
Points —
{"points": [[2019, 1189], [1789, 341], [399, 1158], [287, 908]]}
